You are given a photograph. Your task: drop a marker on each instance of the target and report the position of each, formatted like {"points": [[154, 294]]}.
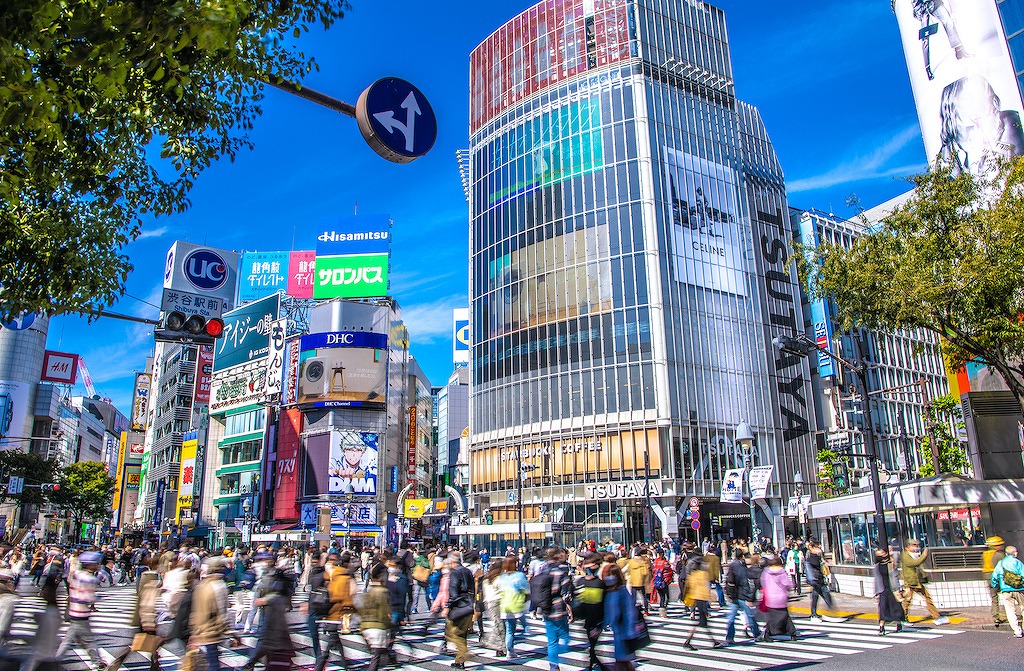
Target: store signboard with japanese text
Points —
{"points": [[204, 374], [246, 333], [140, 401], [301, 274], [262, 274], [198, 269], [238, 386], [186, 480], [352, 258]]}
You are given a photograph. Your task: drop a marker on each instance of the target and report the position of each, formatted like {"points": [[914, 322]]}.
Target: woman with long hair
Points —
{"points": [[495, 637], [513, 592], [889, 608]]}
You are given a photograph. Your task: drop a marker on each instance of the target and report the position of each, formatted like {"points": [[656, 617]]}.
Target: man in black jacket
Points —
{"points": [[459, 609], [740, 592]]}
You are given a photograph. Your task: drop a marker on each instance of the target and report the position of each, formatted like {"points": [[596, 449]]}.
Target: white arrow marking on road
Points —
{"points": [[388, 120]]}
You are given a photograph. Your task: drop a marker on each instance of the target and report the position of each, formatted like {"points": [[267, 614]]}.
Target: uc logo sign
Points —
{"points": [[462, 335], [205, 269]]}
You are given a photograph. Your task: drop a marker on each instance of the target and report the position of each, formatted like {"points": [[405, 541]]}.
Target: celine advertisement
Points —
{"points": [[706, 234], [567, 276], [339, 377], [968, 101], [352, 468]]}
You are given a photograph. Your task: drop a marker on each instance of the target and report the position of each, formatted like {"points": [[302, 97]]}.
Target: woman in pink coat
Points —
{"points": [[776, 585]]}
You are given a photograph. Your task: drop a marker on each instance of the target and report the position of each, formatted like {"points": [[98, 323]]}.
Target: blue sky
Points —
{"points": [[828, 76]]}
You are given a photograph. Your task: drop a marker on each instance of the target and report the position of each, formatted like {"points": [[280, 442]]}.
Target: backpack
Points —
{"points": [[659, 580], [319, 601], [513, 601], [540, 589]]}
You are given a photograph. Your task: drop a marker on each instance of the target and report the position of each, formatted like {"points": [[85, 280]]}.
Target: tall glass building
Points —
{"points": [[629, 270]]}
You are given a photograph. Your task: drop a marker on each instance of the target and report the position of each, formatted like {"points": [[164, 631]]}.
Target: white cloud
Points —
{"points": [[430, 322], [153, 232], [868, 166]]}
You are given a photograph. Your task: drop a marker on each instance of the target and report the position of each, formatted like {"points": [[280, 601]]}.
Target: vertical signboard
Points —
{"points": [[352, 258], [968, 100], [821, 317], [301, 272], [275, 359], [158, 510], [262, 274], [204, 374], [290, 389], [412, 444], [186, 481], [115, 521], [140, 401], [460, 335]]}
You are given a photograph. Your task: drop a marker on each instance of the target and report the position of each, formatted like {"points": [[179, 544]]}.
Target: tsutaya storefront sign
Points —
{"points": [[635, 489]]}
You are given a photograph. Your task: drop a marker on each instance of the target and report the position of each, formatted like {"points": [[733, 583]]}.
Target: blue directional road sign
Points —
{"points": [[396, 120]]}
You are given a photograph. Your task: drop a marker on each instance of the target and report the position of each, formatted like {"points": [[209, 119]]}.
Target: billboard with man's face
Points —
{"points": [[968, 101]]}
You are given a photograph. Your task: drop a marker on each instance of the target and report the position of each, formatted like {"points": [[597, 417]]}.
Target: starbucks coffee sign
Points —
{"points": [[634, 489]]}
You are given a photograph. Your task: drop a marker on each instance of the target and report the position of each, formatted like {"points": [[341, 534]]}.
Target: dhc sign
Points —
{"points": [[344, 339]]}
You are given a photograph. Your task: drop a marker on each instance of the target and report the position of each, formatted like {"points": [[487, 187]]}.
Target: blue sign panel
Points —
{"points": [[344, 339], [262, 274], [158, 509], [19, 323], [396, 120], [363, 234], [246, 334]]}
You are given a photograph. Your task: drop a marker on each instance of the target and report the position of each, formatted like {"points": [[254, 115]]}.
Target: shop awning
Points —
{"points": [[937, 493]]}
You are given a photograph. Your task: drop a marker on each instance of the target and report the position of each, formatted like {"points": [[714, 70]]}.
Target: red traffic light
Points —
{"points": [[215, 327]]}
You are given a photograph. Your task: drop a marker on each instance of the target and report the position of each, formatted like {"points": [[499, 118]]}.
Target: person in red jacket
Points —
{"points": [[661, 580]]}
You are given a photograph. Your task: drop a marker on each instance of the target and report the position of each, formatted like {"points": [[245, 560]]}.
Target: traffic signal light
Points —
{"points": [[618, 514], [840, 476], [490, 518], [49, 487], [176, 326]]}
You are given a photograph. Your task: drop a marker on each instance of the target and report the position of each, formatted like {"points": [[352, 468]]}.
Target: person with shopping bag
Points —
{"points": [[776, 584]]}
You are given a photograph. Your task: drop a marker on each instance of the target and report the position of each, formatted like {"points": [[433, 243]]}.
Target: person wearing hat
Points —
{"points": [[81, 599], [989, 559], [914, 579]]}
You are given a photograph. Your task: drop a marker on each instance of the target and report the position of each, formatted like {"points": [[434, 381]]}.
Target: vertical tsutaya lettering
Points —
{"points": [[782, 312]]}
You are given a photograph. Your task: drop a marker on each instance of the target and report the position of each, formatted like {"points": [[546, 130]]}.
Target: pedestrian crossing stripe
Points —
{"points": [[818, 641]]}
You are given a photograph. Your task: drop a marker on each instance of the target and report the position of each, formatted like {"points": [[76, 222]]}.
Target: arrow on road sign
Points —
{"points": [[408, 129]]}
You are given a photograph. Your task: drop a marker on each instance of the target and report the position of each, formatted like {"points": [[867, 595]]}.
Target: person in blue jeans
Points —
{"points": [[515, 591], [740, 592], [554, 586]]}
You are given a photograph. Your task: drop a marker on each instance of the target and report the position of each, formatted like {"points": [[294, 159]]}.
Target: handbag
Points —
{"points": [[762, 605], [641, 636], [421, 574], [144, 642]]}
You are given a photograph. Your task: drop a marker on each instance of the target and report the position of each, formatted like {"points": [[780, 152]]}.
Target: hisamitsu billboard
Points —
{"points": [[362, 234]]}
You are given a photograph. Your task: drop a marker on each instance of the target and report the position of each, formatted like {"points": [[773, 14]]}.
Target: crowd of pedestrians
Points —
{"points": [[192, 602]]}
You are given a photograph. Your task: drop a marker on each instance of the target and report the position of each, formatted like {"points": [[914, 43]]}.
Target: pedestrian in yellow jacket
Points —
{"points": [[639, 575], [697, 595]]}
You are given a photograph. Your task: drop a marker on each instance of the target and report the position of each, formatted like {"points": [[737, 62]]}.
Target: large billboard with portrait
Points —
{"points": [[354, 458], [707, 247], [968, 101]]}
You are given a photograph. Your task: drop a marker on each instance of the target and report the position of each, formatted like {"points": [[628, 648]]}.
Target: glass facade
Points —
{"points": [[629, 243]]}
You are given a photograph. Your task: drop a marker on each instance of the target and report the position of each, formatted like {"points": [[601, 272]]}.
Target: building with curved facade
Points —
{"points": [[629, 269]]}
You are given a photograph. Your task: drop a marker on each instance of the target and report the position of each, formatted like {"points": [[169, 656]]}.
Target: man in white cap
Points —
{"points": [[81, 598]]}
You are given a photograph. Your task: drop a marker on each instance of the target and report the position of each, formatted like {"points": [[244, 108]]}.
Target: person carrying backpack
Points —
{"points": [[514, 590], [318, 605], [551, 593], [1008, 577], [590, 589], [661, 580]]}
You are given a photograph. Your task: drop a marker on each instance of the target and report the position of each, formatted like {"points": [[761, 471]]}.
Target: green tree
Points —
{"points": [[91, 93], [86, 492], [950, 260], [944, 417], [33, 468], [826, 471]]}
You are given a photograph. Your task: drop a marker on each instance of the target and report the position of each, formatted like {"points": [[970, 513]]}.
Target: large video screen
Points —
{"points": [[336, 377]]}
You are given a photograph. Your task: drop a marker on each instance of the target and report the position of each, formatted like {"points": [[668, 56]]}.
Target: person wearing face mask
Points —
{"points": [[620, 613], [914, 579], [398, 591], [589, 589]]}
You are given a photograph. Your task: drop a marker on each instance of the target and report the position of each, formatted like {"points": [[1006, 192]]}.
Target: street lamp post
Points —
{"points": [[801, 345], [247, 521], [745, 438], [648, 526], [798, 480]]}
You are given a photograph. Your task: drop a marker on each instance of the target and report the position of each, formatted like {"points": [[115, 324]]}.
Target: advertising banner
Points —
{"points": [[286, 468], [353, 276], [344, 339], [238, 386], [544, 46], [356, 234], [133, 477], [136, 450], [301, 273], [186, 479], [204, 374], [760, 479], [417, 508], [968, 100], [275, 361], [140, 401], [342, 377], [59, 367], [201, 269], [316, 464], [246, 333], [413, 437], [460, 335], [262, 274], [291, 373], [158, 511], [821, 316], [353, 463], [732, 486], [119, 477], [14, 408], [358, 513], [706, 235]]}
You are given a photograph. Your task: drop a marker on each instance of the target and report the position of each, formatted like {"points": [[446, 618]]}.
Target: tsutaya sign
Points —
{"points": [[623, 490]]}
